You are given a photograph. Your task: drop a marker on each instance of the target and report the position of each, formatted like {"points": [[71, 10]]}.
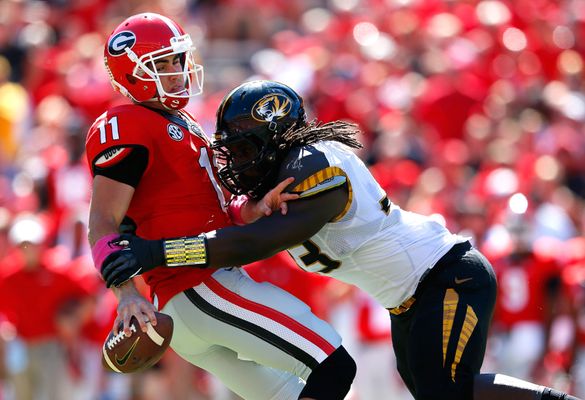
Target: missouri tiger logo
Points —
{"points": [[271, 107]]}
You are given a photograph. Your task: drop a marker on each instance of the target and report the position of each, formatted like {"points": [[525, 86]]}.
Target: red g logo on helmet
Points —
{"points": [[120, 41]]}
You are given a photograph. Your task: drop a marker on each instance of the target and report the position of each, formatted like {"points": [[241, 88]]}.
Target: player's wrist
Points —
{"points": [[128, 288], [155, 255], [104, 247], [236, 209], [186, 251], [148, 254], [252, 211]]}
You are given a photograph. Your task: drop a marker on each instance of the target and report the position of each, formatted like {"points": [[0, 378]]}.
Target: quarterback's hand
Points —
{"points": [[137, 256], [132, 304], [274, 200]]}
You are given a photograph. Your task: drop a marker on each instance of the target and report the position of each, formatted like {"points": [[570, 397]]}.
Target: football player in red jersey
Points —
{"points": [[573, 283], [529, 295], [439, 290], [152, 163]]}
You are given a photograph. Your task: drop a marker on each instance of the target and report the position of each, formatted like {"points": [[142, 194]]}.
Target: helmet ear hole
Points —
{"points": [[131, 79]]}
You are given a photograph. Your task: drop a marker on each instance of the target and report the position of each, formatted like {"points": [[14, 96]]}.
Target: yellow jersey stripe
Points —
{"points": [[309, 186]]}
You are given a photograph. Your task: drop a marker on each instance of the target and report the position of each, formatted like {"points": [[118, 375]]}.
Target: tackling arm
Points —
{"points": [[323, 191], [231, 246], [237, 245]]}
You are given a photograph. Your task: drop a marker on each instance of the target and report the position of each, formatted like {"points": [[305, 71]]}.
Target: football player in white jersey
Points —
{"points": [[439, 290]]}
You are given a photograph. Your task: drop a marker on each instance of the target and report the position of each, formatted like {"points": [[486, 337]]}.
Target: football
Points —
{"points": [[139, 351]]}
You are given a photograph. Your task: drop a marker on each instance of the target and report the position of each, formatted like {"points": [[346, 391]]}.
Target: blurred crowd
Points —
{"points": [[472, 111]]}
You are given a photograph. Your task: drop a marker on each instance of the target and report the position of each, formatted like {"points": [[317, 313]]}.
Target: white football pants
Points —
{"points": [[258, 339]]}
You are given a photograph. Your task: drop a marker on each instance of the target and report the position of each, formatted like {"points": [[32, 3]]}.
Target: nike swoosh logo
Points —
{"points": [[124, 359], [460, 281]]}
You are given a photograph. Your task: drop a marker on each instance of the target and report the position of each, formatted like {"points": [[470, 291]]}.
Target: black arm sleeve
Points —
{"points": [[129, 170], [237, 245]]}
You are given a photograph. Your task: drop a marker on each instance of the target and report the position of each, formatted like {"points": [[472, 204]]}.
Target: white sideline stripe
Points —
{"points": [[153, 335], [257, 319], [108, 361]]}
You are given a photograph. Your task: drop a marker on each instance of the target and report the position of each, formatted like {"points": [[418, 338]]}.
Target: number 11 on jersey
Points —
{"points": [[113, 123]]}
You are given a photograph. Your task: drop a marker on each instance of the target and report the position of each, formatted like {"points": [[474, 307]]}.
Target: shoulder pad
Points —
{"points": [[312, 172], [117, 130], [326, 179]]}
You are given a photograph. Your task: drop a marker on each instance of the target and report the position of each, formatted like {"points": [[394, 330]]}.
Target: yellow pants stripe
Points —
{"points": [[449, 307], [468, 327], [450, 303]]}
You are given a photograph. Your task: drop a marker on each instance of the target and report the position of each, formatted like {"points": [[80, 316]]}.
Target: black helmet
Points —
{"points": [[250, 122]]}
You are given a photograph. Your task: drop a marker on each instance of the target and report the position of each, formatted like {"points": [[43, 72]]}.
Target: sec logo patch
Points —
{"points": [[175, 132]]}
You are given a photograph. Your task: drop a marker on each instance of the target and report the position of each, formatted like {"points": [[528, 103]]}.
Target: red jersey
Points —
{"points": [[522, 287], [31, 298], [178, 194], [573, 279], [373, 324]]}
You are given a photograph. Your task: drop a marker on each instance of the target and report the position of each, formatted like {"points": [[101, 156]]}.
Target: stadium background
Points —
{"points": [[472, 111]]}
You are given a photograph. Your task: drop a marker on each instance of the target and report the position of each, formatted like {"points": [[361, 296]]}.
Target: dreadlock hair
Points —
{"points": [[316, 131]]}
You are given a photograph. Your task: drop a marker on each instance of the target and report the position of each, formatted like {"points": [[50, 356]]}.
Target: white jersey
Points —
{"points": [[373, 244]]}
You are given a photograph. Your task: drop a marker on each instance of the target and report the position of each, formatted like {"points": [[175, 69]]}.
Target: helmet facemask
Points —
{"points": [[252, 121], [247, 163], [190, 76]]}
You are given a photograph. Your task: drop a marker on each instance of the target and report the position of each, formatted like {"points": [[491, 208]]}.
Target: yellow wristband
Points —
{"points": [[186, 251]]}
